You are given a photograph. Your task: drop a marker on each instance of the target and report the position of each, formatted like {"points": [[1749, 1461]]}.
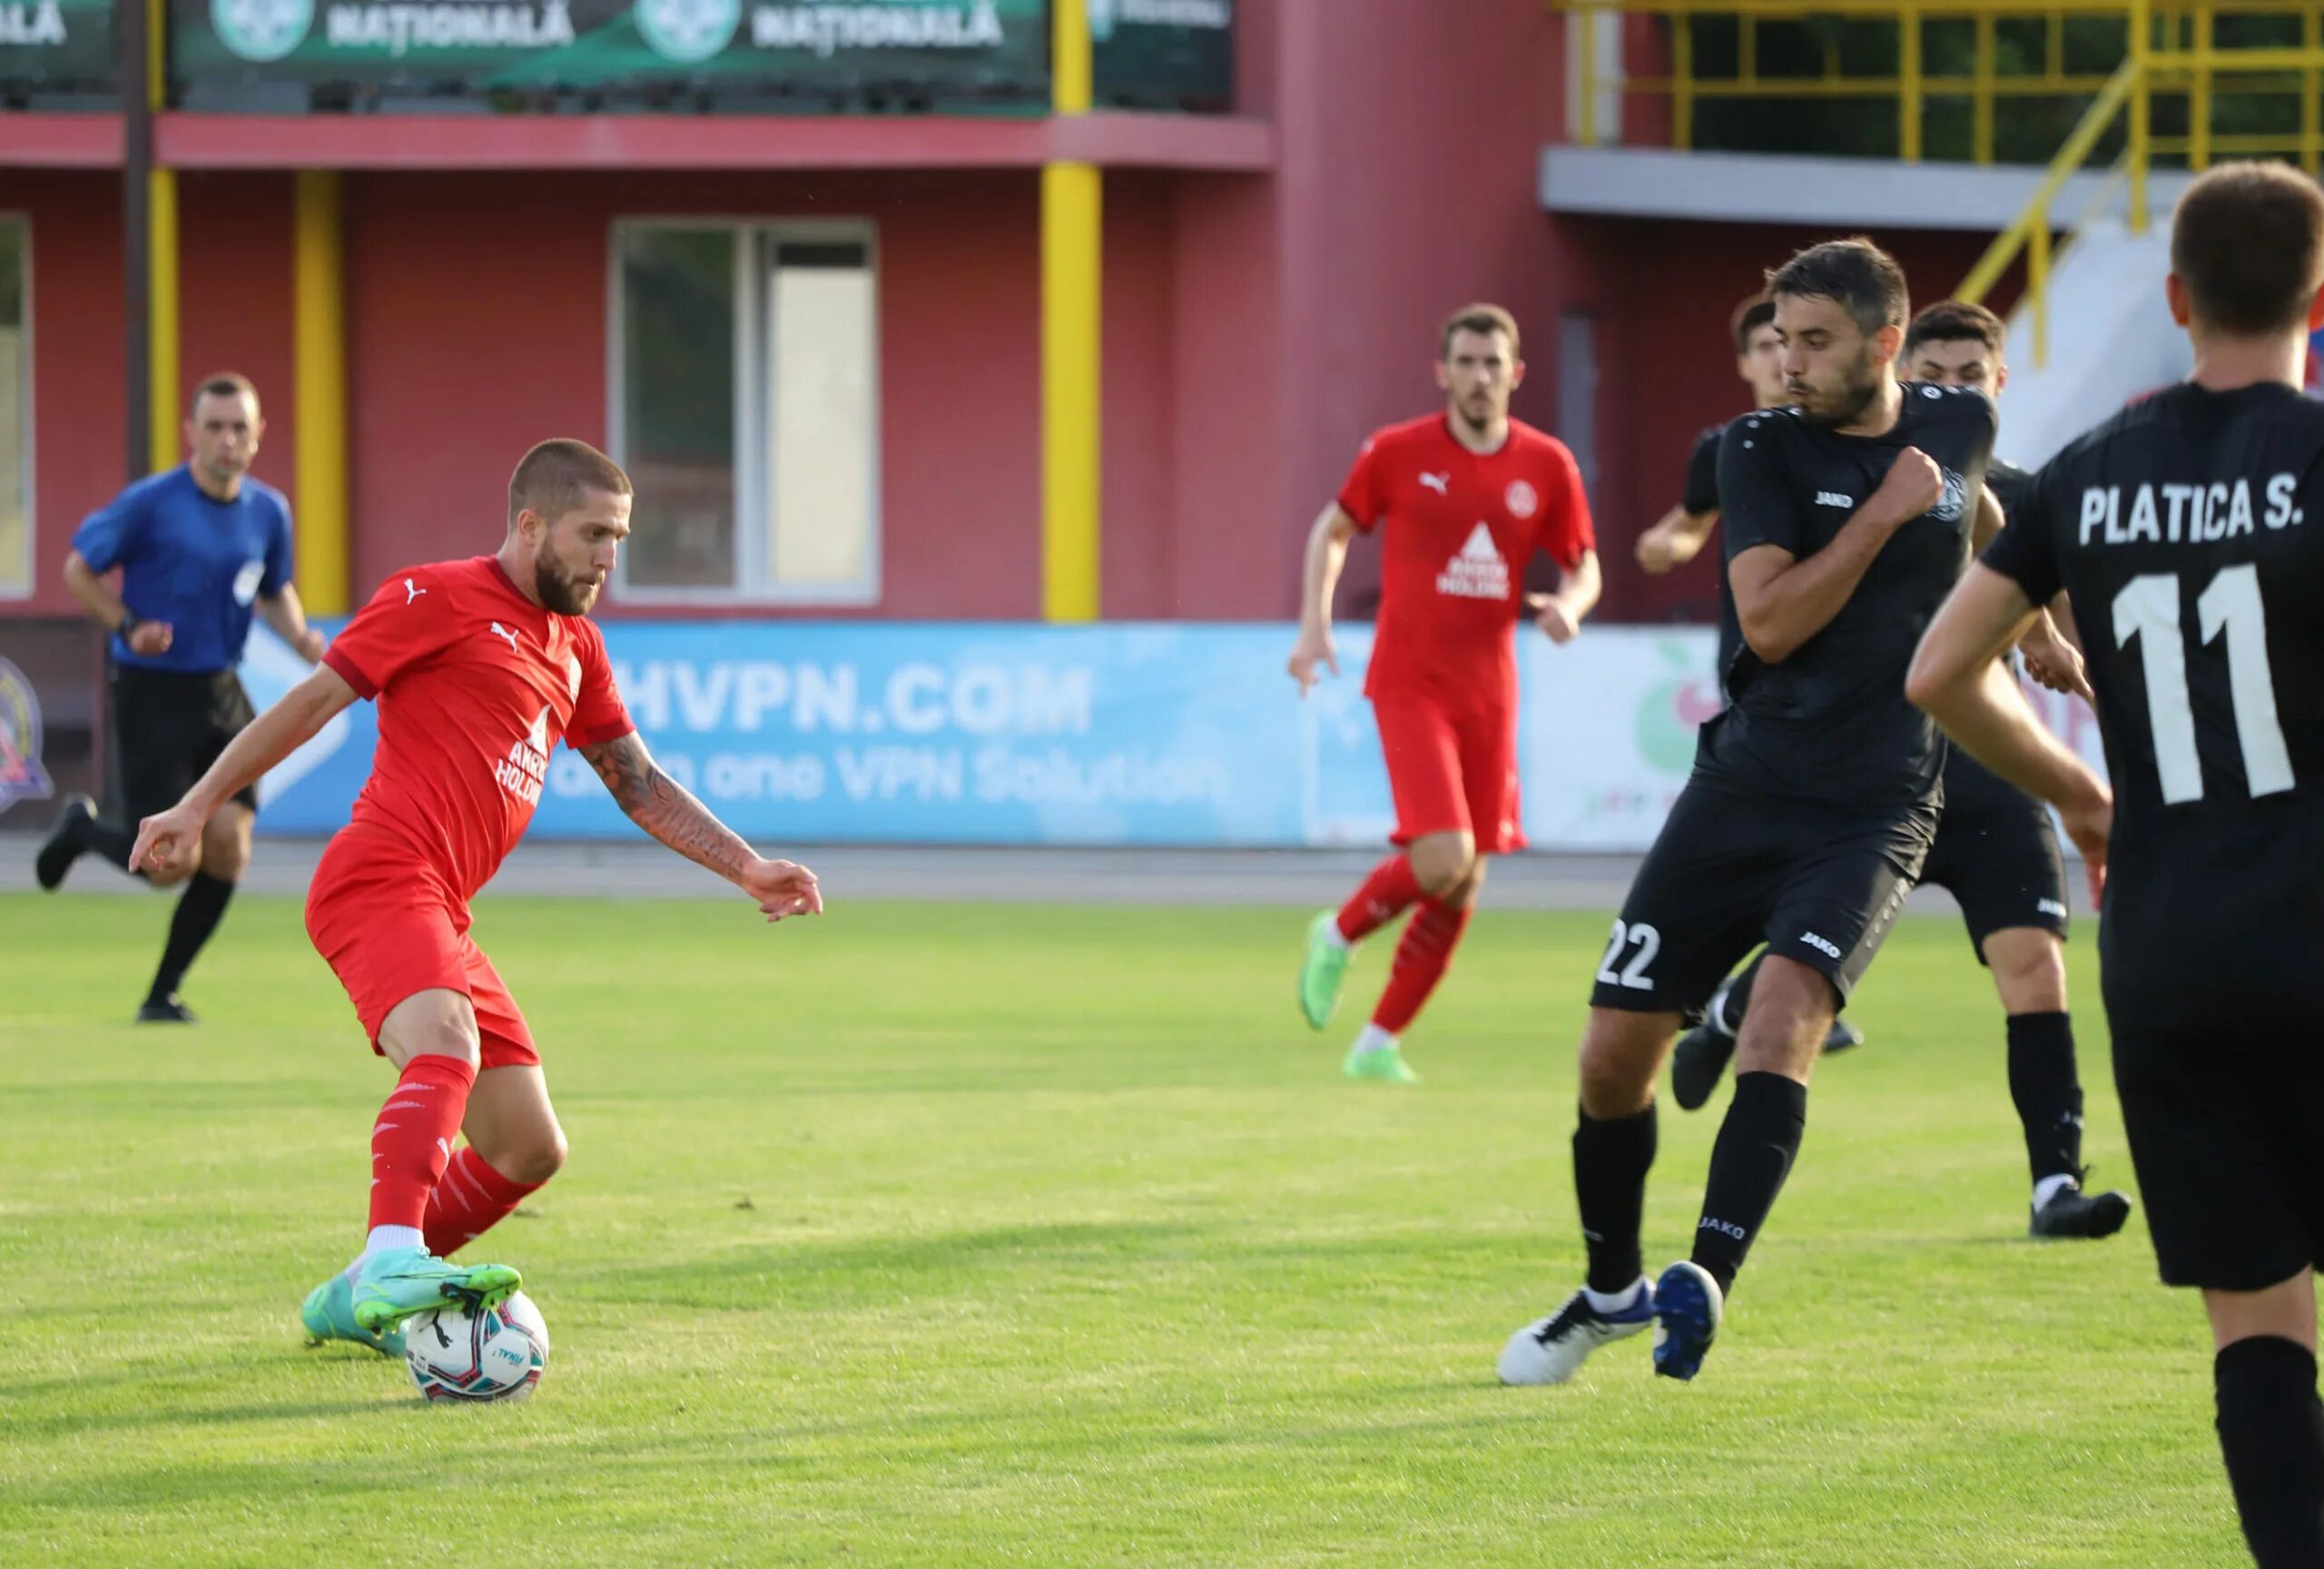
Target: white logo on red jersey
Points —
{"points": [[521, 772], [411, 593], [500, 631], [1477, 572], [1440, 483], [1521, 500], [573, 678]]}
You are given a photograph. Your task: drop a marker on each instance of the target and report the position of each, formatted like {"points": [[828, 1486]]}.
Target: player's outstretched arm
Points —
{"points": [[668, 811], [171, 840], [1676, 538], [1958, 677]]}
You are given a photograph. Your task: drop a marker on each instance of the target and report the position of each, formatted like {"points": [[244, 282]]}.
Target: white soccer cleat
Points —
{"points": [[1551, 1350]]}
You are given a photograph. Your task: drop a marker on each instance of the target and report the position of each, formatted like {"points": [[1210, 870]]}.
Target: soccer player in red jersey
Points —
{"points": [[479, 668], [1462, 500]]}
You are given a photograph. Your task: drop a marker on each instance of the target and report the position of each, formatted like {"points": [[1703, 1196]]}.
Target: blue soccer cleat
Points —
{"points": [[1687, 1307]]}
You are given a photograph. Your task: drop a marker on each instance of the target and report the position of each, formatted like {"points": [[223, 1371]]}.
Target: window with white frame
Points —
{"points": [[745, 407], [15, 409]]}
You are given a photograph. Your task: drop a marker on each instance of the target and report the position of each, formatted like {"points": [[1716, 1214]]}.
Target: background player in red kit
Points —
{"points": [[1462, 500], [479, 668]]}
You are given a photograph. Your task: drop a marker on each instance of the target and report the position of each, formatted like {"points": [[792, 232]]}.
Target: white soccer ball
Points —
{"points": [[497, 1355]]}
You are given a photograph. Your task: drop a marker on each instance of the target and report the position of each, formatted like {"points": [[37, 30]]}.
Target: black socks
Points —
{"points": [[1610, 1165], [2271, 1431], [1756, 1147], [199, 909], [2048, 1095]]}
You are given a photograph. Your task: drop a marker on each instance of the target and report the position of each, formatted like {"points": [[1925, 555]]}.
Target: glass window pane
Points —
{"points": [[15, 415], [677, 294], [822, 416]]}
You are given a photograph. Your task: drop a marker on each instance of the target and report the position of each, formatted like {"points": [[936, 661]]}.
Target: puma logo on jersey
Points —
{"points": [[411, 592], [500, 631], [1477, 572], [1834, 498], [1440, 483]]}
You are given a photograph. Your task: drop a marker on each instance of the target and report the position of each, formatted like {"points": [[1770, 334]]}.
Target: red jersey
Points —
{"points": [[1461, 526], [475, 684]]}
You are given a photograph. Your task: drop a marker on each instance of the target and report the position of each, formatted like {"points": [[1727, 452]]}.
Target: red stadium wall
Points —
{"points": [[1256, 326]]}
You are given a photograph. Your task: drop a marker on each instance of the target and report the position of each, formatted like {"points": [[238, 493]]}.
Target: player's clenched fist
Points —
{"points": [[783, 888], [1914, 485]]}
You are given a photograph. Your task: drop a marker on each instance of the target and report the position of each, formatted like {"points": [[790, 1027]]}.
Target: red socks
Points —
{"points": [[1387, 893], [412, 1141], [1422, 957], [470, 1200]]}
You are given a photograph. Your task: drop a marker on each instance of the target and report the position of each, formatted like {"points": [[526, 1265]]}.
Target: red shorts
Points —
{"points": [[389, 929], [1453, 770]]}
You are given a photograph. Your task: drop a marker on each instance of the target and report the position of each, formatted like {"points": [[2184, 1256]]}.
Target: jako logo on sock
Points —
{"points": [[1724, 1227]]}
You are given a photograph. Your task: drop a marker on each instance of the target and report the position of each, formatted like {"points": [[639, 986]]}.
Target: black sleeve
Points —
{"points": [[1701, 494], [1758, 505], [2008, 484], [2026, 551]]}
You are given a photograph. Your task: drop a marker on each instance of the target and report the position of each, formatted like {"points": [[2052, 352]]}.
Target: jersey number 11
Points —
{"points": [[2147, 608]]}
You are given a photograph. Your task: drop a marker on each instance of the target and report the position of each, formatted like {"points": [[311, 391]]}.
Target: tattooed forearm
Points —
{"points": [[662, 807]]}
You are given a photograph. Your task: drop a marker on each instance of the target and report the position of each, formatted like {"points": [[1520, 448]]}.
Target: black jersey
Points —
{"points": [[1831, 722], [2007, 482], [2180, 531], [1702, 496]]}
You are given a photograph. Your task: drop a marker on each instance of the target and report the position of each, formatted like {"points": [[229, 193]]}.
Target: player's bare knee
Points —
{"points": [[226, 855], [1791, 1009], [533, 1157], [1620, 1055], [432, 1024], [1465, 893], [1441, 862], [2286, 1311], [2029, 968]]}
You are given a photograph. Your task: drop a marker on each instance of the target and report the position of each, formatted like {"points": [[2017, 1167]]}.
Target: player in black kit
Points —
{"points": [[2188, 533], [1811, 806], [1997, 854]]}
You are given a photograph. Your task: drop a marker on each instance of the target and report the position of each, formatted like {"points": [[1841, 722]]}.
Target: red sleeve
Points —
{"points": [[597, 712], [409, 619], [1359, 498], [1566, 530]]}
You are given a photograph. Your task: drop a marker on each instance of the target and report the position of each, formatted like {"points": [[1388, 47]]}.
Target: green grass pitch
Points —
{"points": [[948, 1236]]}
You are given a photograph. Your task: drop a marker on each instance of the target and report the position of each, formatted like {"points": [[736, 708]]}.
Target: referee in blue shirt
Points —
{"points": [[200, 549]]}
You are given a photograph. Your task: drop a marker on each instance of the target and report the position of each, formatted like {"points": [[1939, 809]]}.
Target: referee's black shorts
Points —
{"points": [[169, 726], [2226, 1129]]}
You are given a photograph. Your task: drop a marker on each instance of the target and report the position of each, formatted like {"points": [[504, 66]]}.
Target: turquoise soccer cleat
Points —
{"points": [[1320, 976], [394, 1285], [1381, 1064], [328, 1314]]}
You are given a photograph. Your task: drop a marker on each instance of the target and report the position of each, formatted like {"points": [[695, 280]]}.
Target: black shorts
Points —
{"points": [[169, 726], [2226, 1134], [1997, 852], [1815, 882]]}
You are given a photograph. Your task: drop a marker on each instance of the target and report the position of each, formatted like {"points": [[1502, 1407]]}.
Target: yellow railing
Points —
{"points": [[2169, 51], [2185, 65]]}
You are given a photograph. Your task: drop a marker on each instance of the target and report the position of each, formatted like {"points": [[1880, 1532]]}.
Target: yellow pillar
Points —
{"points": [[164, 393], [319, 389], [165, 397], [2141, 117], [1072, 293]]}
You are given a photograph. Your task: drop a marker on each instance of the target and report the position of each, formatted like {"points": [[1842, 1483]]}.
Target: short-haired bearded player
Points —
{"points": [[2179, 530], [1996, 854], [1676, 538], [1461, 500], [479, 668], [1812, 804]]}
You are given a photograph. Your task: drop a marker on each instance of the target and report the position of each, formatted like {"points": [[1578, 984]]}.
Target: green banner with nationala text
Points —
{"points": [[55, 47]]}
